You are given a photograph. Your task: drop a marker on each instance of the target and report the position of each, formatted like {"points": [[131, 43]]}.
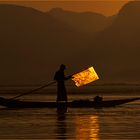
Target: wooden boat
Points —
{"points": [[73, 104]]}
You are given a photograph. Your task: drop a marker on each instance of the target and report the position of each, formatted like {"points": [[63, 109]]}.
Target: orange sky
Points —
{"points": [[106, 7]]}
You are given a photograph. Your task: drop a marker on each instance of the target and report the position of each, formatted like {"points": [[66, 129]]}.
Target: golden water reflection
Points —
{"points": [[87, 127]]}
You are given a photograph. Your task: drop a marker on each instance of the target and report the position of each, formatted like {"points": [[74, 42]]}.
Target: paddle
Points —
{"points": [[50, 83]]}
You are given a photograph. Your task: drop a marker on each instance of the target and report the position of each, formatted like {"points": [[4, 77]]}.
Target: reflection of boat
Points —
{"points": [[74, 104]]}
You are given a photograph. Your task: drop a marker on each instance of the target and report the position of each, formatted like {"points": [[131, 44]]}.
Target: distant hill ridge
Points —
{"points": [[121, 45], [33, 44], [83, 21]]}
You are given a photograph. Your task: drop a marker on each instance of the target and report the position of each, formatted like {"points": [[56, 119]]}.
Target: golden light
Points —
{"points": [[94, 128], [87, 76], [87, 127]]}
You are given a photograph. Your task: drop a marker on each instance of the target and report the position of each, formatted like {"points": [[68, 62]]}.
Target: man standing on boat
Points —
{"points": [[61, 89]]}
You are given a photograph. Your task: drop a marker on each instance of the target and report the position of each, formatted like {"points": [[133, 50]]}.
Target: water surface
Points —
{"points": [[122, 122]]}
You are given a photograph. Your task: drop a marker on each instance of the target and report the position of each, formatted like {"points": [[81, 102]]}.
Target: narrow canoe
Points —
{"points": [[73, 104]]}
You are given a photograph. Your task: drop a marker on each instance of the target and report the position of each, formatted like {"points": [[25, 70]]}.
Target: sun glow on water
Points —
{"points": [[87, 129]]}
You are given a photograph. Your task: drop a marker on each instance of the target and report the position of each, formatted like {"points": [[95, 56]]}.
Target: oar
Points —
{"points": [[50, 83]]}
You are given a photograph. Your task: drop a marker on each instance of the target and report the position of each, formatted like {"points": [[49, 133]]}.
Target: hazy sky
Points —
{"points": [[106, 7]]}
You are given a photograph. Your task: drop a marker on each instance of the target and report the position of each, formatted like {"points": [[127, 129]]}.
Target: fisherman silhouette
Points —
{"points": [[61, 89]]}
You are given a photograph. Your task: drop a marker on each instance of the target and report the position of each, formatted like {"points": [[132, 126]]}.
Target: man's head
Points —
{"points": [[62, 67]]}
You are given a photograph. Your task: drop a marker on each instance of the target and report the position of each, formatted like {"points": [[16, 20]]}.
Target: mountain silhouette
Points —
{"points": [[84, 21], [126, 25], [120, 44], [33, 44]]}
